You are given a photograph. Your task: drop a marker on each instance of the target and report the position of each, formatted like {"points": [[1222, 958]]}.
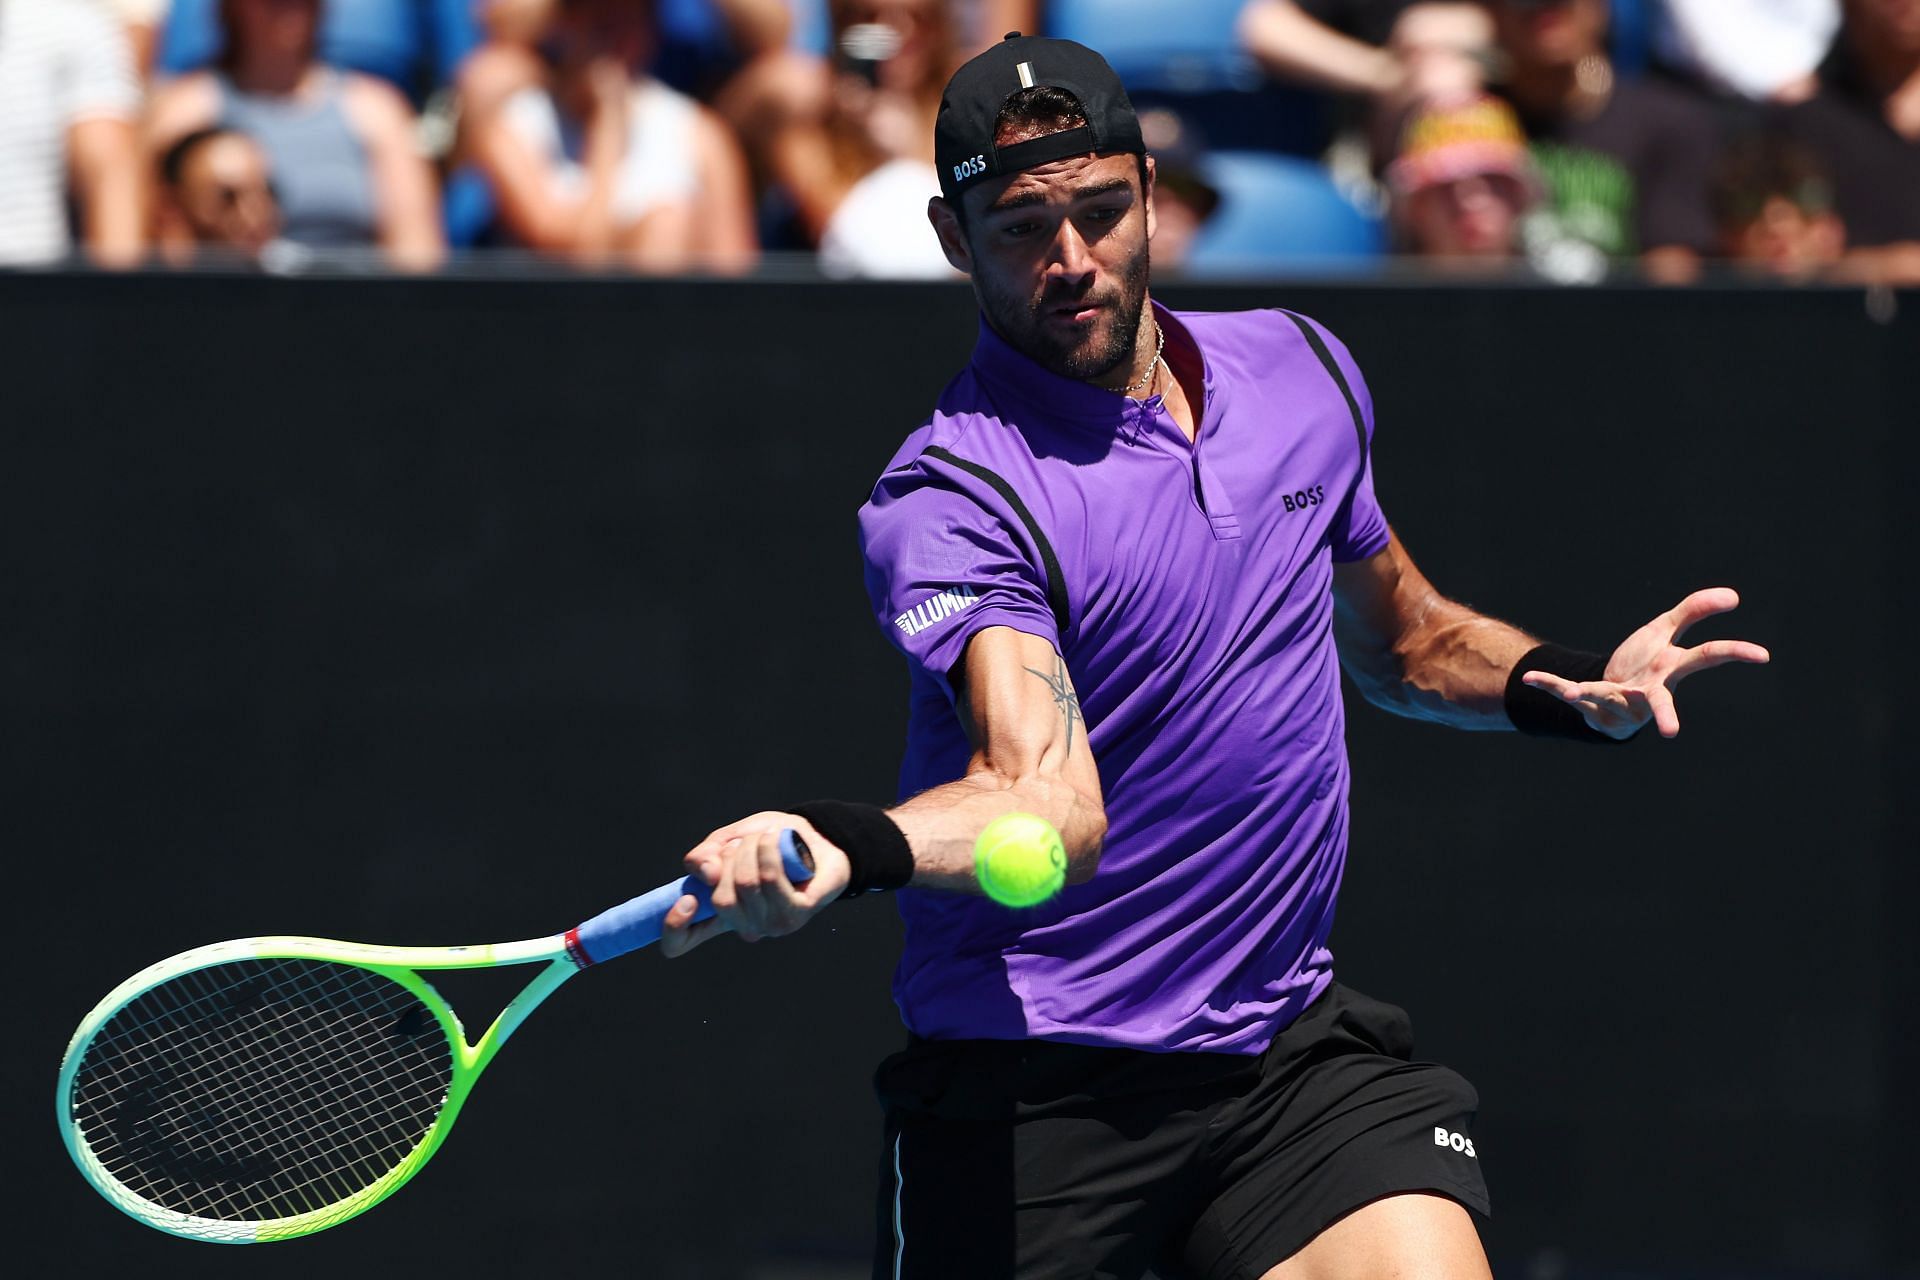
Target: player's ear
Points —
{"points": [[953, 237], [1146, 193]]}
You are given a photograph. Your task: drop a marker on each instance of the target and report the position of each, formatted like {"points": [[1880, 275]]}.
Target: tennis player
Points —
{"points": [[1125, 559]]}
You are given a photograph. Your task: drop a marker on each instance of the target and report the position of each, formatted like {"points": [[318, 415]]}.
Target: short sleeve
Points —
{"points": [[1359, 528], [946, 558], [96, 74]]}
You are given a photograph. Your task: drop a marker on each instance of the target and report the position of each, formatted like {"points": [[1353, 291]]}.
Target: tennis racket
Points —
{"points": [[269, 1088]]}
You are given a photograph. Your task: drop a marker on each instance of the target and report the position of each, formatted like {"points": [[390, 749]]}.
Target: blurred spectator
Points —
{"points": [[1864, 124], [1626, 163], [1398, 54], [1401, 52], [68, 102], [341, 144], [855, 154], [217, 200], [1774, 204], [1461, 183], [1183, 198], [604, 164], [1766, 50], [1330, 44]]}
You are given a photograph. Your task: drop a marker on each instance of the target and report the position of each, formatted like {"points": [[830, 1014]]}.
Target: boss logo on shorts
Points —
{"points": [[1301, 499], [1460, 1142], [935, 608]]}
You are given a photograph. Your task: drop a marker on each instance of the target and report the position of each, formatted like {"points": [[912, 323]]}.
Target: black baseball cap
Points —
{"points": [[963, 134]]}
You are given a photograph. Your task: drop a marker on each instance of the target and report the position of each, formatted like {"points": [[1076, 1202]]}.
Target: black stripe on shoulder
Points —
{"points": [[1319, 346], [1056, 581]]}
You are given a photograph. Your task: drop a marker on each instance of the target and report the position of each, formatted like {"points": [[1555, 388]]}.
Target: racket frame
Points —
{"points": [[402, 965]]}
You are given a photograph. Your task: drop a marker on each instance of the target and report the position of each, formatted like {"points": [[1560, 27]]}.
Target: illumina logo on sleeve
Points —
{"points": [[934, 608]]}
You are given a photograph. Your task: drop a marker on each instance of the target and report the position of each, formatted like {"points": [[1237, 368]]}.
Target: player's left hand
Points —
{"points": [[751, 893], [1643, 671]]}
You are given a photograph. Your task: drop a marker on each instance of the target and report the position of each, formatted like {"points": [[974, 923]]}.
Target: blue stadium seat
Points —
{"points": [[468, 210], [386, 38], [1630, 35], [453, 32], [1182, 46], [1279, 211]]}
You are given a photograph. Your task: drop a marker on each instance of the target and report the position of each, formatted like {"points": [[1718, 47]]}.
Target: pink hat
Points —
{"points": [[1445, 143]]}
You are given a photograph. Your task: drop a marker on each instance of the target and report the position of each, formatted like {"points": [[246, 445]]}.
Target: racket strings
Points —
{"points": [[261, 1089]]}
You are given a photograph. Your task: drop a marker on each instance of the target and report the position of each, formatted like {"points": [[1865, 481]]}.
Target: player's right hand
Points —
{"points": [[751, 894]]}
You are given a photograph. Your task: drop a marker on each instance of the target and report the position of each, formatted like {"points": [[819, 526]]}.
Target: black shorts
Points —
{"points": [[1039, 1160]]}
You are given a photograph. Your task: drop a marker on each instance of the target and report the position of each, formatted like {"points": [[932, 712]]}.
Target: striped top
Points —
{"points": [[61, 62]]}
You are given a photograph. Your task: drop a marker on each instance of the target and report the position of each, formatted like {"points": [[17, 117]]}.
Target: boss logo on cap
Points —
{"points": [[969, 168]]}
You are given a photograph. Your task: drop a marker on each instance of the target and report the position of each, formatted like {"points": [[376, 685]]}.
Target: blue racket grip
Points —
{"points": [[636, 922]]}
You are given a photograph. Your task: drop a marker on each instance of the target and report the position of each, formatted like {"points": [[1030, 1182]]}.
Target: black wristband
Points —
{"points": [[876, 848], [1538, 712]]}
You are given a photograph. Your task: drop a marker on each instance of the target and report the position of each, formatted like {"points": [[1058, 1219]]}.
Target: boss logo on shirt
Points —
{"points": [[1458, 1141], [935, 608], [1301, 499]]}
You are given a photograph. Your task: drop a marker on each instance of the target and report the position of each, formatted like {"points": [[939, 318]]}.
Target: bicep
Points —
{"points": [[1023, 713]]}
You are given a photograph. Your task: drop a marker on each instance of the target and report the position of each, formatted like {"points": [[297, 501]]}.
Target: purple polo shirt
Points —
{"points": [[1195, 581]]}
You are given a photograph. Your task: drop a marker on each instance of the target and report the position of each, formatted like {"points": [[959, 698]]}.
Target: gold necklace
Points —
{"points": [[1160, 344]]}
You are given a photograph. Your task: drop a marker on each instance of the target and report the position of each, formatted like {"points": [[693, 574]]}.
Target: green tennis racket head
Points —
{"points": [[261, 1090]]}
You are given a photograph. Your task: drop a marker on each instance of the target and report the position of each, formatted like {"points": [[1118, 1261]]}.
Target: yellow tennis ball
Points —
{"points": [[1020, 860]]}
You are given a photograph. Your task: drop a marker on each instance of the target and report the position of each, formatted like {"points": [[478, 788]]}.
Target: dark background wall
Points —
{"points": [[452, 611]]}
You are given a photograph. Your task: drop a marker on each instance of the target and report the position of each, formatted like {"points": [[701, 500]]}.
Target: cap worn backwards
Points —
{"points": [[963, 135]]}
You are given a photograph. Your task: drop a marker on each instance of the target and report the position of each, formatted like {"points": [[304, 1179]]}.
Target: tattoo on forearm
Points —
{"points": [[1063, 697]]}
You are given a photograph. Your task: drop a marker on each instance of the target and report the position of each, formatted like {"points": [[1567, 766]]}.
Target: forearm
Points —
{"points": [[941, 825], [111, 184], [1452, 669], [591, 236], [410, 231], [115, 220], [1293, 45], [1416, 653]]}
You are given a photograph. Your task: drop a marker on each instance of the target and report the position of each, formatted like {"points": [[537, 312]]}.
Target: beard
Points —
{"points": [[1102, 345]]}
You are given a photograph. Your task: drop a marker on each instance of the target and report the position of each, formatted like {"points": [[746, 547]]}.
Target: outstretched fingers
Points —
{"points": [[1716, 653], [1666, 716], [1700, 605], [1569, 691], [1610, 708]]}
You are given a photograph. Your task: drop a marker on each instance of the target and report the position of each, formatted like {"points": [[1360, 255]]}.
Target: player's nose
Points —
{"points": [[1072, 256]]}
